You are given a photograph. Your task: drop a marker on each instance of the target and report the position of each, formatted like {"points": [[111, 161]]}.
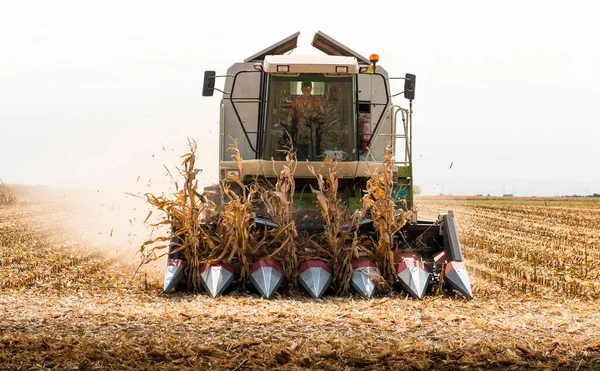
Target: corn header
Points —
{"points": [[336, 106]]}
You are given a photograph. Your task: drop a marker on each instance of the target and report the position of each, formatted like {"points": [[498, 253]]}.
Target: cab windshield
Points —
{"points": [[314, 111]]}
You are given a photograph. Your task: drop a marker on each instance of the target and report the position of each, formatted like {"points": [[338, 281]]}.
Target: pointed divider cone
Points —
{"points": [[364, 277], [412, 274], [215, 278], [173, 273], [456, 276], [266, 275], [315, 277]]}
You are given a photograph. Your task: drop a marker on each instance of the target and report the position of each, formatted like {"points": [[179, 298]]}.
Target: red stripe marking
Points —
{"points": [[405, 260], [315, 264], [265, 263], [362, 263], [454, 266], [176, 263]]}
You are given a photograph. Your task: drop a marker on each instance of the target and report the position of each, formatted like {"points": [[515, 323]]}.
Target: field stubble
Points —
{"points": [[529, 245], [64, 308]]}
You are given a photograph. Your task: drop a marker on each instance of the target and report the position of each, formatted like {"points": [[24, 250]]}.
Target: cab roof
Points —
{"points": [[321, 41]]}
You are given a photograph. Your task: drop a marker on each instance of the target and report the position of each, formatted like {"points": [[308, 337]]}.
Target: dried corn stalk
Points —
{"points": [[387, 218], [185, 214], [341, 229], [279, 207], [236, 238], [229, 235]]}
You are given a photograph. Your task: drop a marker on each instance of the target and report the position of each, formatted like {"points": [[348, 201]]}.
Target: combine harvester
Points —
{"points": [[334, 105]]}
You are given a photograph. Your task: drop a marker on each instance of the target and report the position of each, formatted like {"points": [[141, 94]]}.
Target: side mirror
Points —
{"points": [[409, 86], [209, 84]]}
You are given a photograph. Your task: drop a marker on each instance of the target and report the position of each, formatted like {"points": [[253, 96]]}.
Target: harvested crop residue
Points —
{"points": [[63, 308]]}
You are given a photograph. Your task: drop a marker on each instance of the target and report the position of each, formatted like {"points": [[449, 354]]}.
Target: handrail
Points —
{"points": [[243, 100], [407, 147]]}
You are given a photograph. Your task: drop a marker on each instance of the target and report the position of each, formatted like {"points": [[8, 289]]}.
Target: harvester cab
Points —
{"points": [[333, 105]]}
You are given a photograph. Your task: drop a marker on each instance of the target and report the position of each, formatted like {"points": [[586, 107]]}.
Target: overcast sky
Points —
{"points": [[91, 91]]}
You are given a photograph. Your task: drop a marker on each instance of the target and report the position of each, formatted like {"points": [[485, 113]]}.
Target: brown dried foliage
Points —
{"points": [[234, 223], [388, 218], [341, 240], [227, 233], [279, 206], [184, 213]]}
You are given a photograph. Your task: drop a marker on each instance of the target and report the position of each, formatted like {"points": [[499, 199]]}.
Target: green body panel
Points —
{"points": [[404, 172], [400, 193], [354, 202], [403, 190], [307, 200], [304, 200]]}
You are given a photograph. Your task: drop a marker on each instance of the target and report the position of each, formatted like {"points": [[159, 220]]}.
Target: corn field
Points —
{"points": [[66, 307], [535, 246]]}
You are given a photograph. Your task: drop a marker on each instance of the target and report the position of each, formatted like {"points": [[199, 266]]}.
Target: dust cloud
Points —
{"points": [[110, 219]]}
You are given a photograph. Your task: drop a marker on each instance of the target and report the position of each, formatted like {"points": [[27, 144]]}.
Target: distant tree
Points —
{"points": [[7, 196], [417, 190]]}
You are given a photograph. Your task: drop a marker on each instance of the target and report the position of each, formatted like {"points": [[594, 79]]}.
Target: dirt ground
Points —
{"points": [[68, 301]]}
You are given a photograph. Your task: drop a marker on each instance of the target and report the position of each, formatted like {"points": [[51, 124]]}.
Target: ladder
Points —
{"points": [[404, 133]]}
